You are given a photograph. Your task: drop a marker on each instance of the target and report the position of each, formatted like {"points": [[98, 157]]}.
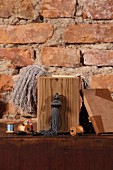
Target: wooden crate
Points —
{"points": [[68, 89]]}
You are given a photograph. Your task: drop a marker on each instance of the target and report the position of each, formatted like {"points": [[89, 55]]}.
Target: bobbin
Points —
{"points": [[21, 127], [28, 128], [73, 131], [25, 128], [10, 127], [80, 129]]}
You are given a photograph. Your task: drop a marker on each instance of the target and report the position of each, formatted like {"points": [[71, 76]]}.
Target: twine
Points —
{"points": [[24, 94]]}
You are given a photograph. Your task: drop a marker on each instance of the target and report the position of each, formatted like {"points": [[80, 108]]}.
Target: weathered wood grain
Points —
{"points": [[99, 105], [56, 153], [68, 89]]}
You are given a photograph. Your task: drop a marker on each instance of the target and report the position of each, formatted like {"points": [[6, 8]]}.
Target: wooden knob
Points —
{"points": [[73, 131]]}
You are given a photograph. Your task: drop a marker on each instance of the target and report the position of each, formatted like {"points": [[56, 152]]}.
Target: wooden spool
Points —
{"points": [[10, 127], [80, 130], [28, 128], [76, 130], [25, 128], [21, 127], [73, 131]]}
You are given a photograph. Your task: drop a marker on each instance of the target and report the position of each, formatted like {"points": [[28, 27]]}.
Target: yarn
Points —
{"points": [[55, 123], [24, 94], [55, 118]]}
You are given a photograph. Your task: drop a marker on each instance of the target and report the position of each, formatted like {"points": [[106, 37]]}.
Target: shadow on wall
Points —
{"points": [[2, 108]]}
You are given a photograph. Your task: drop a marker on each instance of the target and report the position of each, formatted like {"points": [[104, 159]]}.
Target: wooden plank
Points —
{"points": [[68, 89], [56, 153], [99, 105]]}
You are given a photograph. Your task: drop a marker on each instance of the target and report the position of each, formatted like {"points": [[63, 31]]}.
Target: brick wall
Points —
{"points": [[66, 36]]}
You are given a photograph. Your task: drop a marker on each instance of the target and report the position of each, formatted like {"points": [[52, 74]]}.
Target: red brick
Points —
{"points": [[19, 57], [57, 56], [31, 33], [98, 9], [20, 8], [98, 57], [102, 81], [60, 8], [89, 33], [6, 83]]}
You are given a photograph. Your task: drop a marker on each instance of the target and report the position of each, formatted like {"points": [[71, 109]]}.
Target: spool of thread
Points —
{"points": [[76, 130], [80, 130], [10, 127], [27, 122], [21, 127], [28, 128], [73, 131], [25, 128]]}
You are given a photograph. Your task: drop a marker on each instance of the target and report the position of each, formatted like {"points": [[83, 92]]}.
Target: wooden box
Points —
{"points": [[68, 89]]}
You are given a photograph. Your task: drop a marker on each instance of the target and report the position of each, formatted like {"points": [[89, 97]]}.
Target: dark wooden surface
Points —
{"points": [[87, 152]]}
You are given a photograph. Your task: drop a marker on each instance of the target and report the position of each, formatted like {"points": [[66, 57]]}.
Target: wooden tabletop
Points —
{"points": [[61, 152]]}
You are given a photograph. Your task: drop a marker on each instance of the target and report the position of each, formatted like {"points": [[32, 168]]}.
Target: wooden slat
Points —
{"points": [[56, 153], [68, 89], [99, 105]]}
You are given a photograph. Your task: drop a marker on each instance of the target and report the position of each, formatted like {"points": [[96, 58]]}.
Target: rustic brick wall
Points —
{"points": [[66, 36]]}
